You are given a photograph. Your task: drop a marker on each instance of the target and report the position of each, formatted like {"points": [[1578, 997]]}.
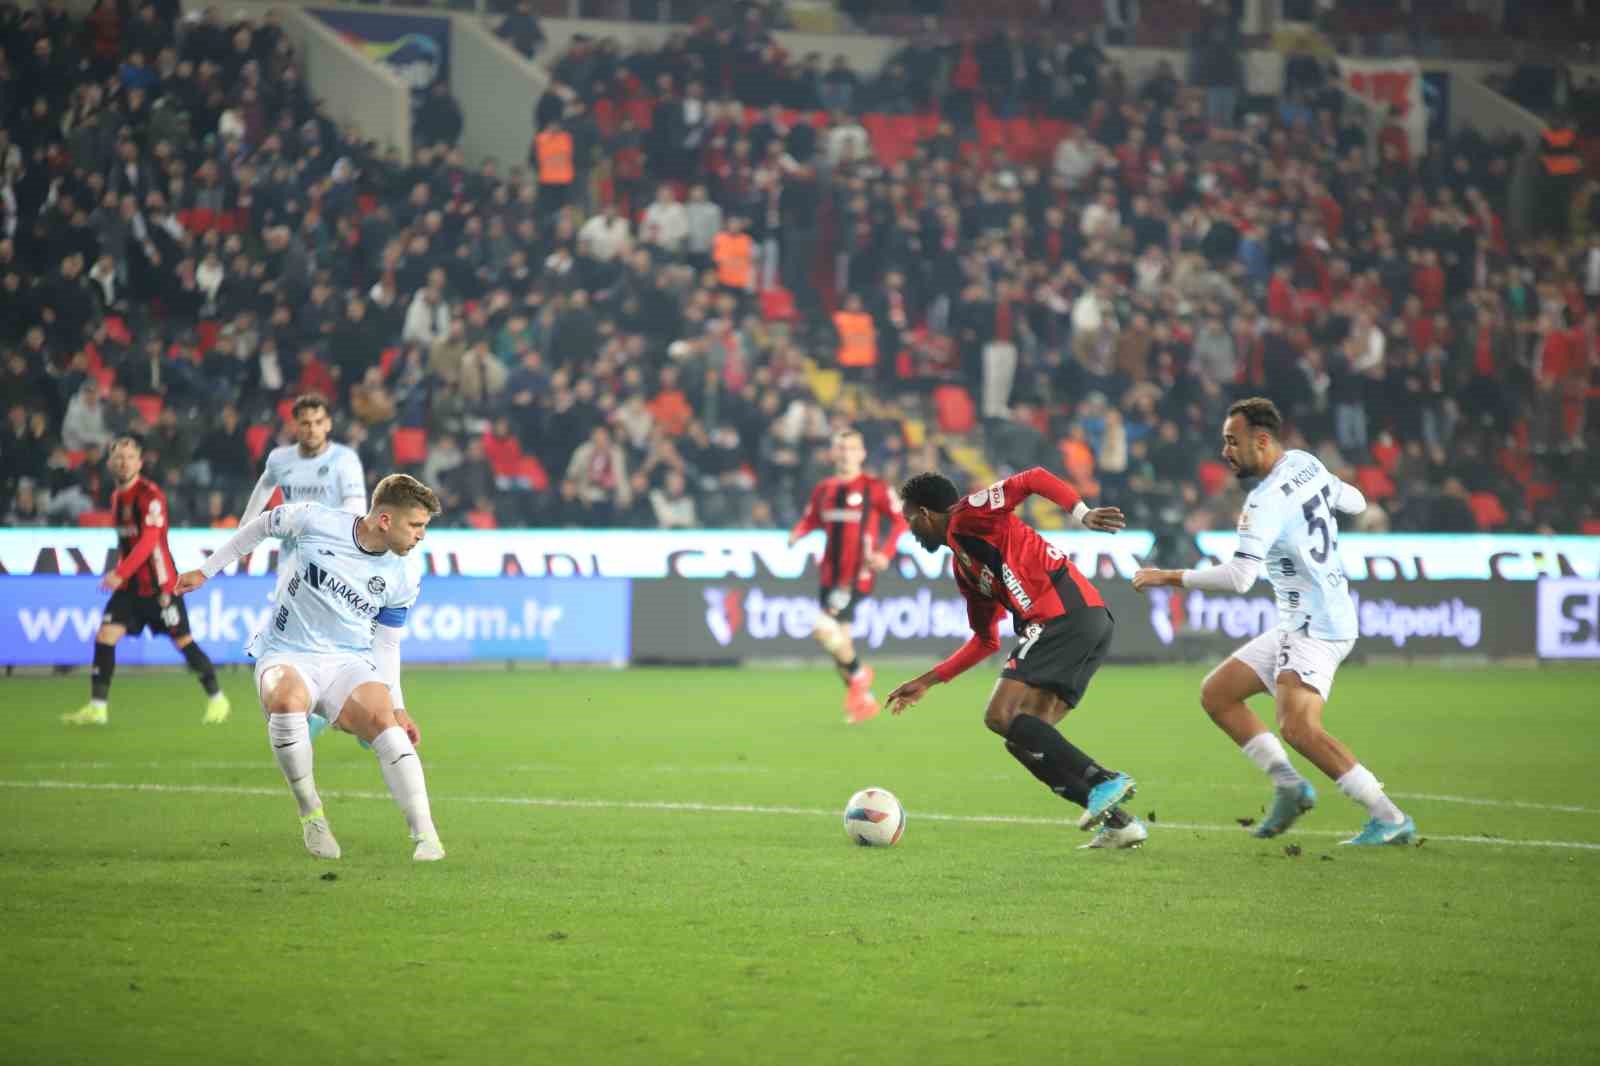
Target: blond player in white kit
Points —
{"points": [[1289, 529], [331, 646]]}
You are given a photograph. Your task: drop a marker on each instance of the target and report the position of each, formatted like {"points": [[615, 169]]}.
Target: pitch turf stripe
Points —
{"points": [[551, 768], [722, 808]]}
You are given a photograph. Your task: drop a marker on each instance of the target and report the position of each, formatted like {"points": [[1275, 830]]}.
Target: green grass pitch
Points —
{"points": [[649, 867]]}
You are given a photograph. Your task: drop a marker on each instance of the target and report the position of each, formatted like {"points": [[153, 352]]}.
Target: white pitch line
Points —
{"points": [[721, 808], [735, 769]]}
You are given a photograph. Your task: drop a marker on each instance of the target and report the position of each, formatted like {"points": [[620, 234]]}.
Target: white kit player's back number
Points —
{"points": [[1315, 523]]}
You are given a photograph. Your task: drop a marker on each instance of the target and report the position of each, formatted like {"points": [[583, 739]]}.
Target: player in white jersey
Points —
{"points": [[314, 470], [332, 643], [1289, 528]]}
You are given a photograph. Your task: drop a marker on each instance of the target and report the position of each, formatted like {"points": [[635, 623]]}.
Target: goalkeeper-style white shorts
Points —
{"points": [[329, 678], [1314, 659]]}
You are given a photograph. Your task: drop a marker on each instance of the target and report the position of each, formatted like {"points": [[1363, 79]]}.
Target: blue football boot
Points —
{"points": [[1287, 807], [1104, 796], [1377, 833]]}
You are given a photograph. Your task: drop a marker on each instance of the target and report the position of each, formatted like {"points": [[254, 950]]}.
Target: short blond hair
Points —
{"points": [[403, 490]]}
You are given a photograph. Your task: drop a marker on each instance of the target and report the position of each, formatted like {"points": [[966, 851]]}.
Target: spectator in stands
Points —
{"points": [[428, 319], [522, 31], [598, 470], [84, 428]]}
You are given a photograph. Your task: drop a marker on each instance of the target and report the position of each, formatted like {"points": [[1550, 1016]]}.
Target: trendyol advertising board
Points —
{"points": [[623, 595]]}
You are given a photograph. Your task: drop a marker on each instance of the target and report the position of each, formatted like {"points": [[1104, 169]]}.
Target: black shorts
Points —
{"points": [[840, 603], [1061, 655], [159, 614]]}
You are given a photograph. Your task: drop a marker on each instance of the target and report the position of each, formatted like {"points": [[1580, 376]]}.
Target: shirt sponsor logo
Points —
{"points": [[1014, 586], [337, 589]]}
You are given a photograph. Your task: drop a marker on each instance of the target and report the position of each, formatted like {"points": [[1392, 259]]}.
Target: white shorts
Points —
{"points": [[1314, 659], [329, 678]]}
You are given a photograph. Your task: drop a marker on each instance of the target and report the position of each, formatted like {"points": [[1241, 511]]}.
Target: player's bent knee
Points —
{"points": [[368, 711]]}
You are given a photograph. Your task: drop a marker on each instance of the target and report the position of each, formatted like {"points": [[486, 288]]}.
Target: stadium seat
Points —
{"points": [[954, 409], [477, 519], [148, 405], [777, 305], [410, 446], [1487, 509], [1374, 483], [256, 438], [1213, 477], [106, 377], [97, 519], [286, 410], [206, 334], [531, 472], [1590, 527], [825, 385], [386, 360], [1386, 453], [117, 330], [75, 459]]}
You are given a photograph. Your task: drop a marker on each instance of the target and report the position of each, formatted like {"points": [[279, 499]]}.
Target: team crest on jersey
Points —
{"points": [[375, 586], [322, 470], [853, 500]]}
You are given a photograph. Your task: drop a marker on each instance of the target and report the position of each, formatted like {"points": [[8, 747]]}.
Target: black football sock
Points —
{"points": [[200, 663], [105, 664], [1045, 752], [1033, 762], [848, 670]]}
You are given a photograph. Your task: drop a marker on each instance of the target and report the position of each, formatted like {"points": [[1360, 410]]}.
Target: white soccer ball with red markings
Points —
{"points": [[874, 818]]}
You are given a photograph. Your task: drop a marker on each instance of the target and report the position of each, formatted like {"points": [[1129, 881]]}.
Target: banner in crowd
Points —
{"points": [[677, 620], [1395, 83], [416, 47], [1569, 619], [52, 621], [714, 554]]}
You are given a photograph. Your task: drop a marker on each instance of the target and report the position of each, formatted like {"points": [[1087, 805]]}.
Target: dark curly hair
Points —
{"points": [[931, 490]]}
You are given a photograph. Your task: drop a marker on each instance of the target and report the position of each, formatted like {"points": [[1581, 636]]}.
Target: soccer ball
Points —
{"points": [[874, 818]]}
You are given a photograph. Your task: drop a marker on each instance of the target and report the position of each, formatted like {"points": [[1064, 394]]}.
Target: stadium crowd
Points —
{"points": [[991, 253]]}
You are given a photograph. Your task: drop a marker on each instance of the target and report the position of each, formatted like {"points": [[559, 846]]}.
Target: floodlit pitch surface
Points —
{"points": [[649, 867]]}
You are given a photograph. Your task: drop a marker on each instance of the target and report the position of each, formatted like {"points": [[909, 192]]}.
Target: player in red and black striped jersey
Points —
{"points": [[863, 522], [141, 587], [1003, 566]]}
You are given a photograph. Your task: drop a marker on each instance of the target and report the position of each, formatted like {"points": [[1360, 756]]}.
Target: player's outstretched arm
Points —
{"points": [[258, 498], [984, 642], [1236, 576], [1040, 482]]}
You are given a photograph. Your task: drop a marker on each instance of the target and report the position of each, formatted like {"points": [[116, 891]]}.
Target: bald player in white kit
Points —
{"points": [[1289, 528], [332, 643]]}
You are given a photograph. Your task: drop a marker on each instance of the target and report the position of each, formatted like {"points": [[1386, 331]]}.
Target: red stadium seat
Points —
{"points": [[1590, 527], [954, 409], [410, 446], [1486, 508], [477, 519], [531, 471], [206, 334], [148, 405], [97, 519], [75, 459], [256, 438], [386, 360], [777, 305], [286, 410], [106, 377], [1374, 483], [1213, 477]]}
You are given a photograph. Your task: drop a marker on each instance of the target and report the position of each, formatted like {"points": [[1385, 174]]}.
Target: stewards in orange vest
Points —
{"points": [[734, 253], [1561, 166], [858, 337], [552, 155]]}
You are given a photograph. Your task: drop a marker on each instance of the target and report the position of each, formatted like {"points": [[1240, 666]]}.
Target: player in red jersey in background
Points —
{"points": [[141, 589], [1063, 629], [853, 507]]}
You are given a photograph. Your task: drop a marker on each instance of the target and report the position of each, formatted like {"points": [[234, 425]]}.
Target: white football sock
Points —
{"points": [[1360, 785], [99, 705], [291, 746], [402, 772], [1266, 751]]}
